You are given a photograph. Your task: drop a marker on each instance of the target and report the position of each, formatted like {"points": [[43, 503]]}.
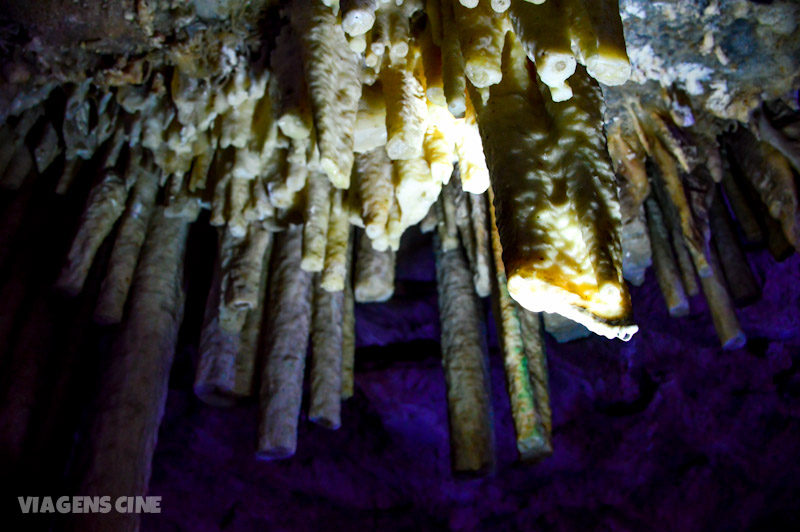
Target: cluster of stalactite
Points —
{"points": [[693, 204], [481, 121]]}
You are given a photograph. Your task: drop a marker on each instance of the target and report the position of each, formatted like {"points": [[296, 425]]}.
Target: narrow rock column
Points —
{"points": [[374, 276], [741, 282], [219, 347], [326, 357], [288, 325], [532, 442], [533, 342], [465, 366], [666, 268], [125, 254], [720, 305], [349, 326], [104, 206], [134, 393]]}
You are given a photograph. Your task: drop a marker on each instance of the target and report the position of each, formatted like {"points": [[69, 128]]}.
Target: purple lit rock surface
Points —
{"points": [[665, 432]]}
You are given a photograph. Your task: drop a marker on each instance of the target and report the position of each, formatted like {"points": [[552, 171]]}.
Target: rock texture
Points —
{"points": [[724, 54]]}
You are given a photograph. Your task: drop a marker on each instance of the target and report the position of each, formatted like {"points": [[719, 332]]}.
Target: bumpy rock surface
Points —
{"points": [[724, 54]]}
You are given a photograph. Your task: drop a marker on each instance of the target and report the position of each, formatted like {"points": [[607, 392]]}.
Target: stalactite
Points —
{"points": [[382, 115], [123, 437], [285, 350], [465, 367]]}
